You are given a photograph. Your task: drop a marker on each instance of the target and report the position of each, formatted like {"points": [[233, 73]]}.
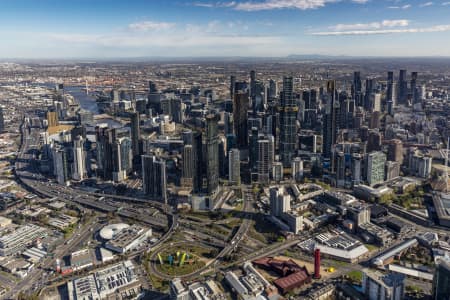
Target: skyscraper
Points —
{"points": [[114, 153], [297, 169], [402, 88], [280, 201], [104, 152], [253, 153], [61, 166], [395, 150], [121, 155], [154, 177], [265, 158], [370, 89], [240, 115], [272, 90], [391, 91], [413, 88], [2, 120], [135, 134], [212, 153], [252, 84], [357, 89], [199, 164], [331, 120], [288, 115], [375, 167], [232, 86], [188, 171], [234, 168], [79, 159]]}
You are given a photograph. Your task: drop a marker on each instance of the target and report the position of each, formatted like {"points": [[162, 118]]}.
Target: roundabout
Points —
{"points": [[181, 259]]}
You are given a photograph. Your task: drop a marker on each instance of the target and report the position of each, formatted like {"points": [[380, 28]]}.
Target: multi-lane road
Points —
{"points": [[27, 173]]}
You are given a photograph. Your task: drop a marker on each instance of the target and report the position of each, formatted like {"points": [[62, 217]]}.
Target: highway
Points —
{"points": [[231, 246], [29, 176]]}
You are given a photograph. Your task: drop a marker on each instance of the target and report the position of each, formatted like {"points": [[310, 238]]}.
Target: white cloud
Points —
{"points": [[426, 4], [216, 4], [406, 6], [212, 35], [438, 28], [373, 25], [254, 5], [150, 26], [446, 3]]}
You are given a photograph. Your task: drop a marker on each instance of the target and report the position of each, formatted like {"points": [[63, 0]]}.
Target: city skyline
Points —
{"points": [[203, 28]]}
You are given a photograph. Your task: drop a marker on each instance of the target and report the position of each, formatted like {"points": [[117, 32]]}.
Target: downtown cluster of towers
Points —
{"points": [[261, 134]]}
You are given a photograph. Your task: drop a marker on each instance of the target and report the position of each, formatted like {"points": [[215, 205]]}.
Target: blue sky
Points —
{"points": [[136, 28]]}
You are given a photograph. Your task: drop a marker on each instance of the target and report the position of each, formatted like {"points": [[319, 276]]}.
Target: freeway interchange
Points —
{"points": [[28, 174]]}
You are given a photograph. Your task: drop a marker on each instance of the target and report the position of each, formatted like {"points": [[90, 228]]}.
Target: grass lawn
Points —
{"points": [[158, 283], [197, 257], [177, 270], [371, 247], [355, 276]]}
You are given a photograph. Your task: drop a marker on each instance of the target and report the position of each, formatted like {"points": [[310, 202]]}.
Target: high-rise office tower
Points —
{"points": [[272, 90], [252, 84], [339, 166], [375, 167], [212, 153], [265, 158], [370, 89], [441, 280], [288, 116], [375, 102], [234, 167], [357, 89], [152, 87], [391, 91], [154, 177], [331, 120], [280, 201], [61, 165], [223, 157], [266, 146], [104, 152], [2, 120], [309, 97], [374, 140], [232, 86], [135, 134], [356, 168], [199, 163], [395, 150], [154, 98], [240, 118], [413, 88], [253, 153], [114, 154], [188, 171], [297, 169], [79, 159], [121, 155], [392, 170], [402, 88]]}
